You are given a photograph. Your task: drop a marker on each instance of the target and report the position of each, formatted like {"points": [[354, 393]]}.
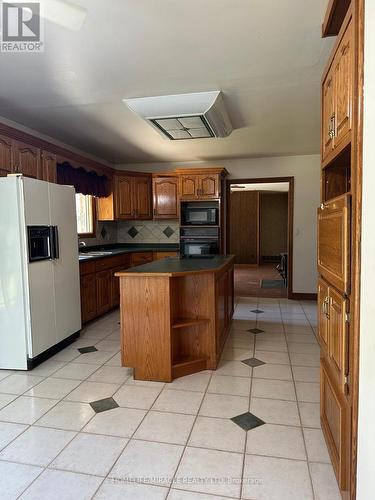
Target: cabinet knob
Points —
{"points": [[322, 206]]}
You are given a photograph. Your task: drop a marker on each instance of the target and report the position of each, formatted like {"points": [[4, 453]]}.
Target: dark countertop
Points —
{"points": [[174, 266], [118, 249]]}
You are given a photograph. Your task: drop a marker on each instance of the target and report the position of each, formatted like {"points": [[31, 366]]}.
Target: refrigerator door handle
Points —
{"points": [[55, 242]]}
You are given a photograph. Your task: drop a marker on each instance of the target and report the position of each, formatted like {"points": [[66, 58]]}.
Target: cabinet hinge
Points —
{"points": [[347, 317]]}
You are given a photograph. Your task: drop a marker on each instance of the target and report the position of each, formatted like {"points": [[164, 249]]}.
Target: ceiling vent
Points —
{"points": [[185, 116]]}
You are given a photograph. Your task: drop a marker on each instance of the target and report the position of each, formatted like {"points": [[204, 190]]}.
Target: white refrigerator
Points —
{"points": [[40, 308]]}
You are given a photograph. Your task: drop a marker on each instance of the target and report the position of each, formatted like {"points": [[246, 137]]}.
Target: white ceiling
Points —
{"points": [[265, 55], [262, 186]]}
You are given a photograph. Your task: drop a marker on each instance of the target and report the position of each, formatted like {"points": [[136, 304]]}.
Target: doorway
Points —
{"points": [[260, 235]]}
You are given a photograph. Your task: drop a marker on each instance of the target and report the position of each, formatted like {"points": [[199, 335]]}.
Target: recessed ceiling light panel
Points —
{"points": [[185, 116]]}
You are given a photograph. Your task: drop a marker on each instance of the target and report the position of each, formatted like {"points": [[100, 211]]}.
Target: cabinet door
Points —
{"points": [[166, 199], [323, 313], [338, 347], [6, 154], [335, 418], [124, 197], [208, 186], [334, 242], [189, 186], [103, 291], [343, 81], [328, 114], [49, 172], [142, 197], [26, 160], [88, 297]]}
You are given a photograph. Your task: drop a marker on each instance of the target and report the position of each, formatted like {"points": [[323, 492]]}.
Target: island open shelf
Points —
{"points": [[175, 316]]}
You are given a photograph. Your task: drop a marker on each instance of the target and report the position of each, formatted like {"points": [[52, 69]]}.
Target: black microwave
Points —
{"points": [[192, 215]]}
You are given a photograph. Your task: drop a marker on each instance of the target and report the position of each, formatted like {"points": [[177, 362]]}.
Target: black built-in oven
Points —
{"points": [[196, 242], [199, 213]]}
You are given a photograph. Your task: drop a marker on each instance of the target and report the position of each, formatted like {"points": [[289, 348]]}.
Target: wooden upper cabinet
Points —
{"points": [[200, 186], [209, 186], [334, 242], [6, 156], [189, 186], [131, 196], [48, 166], [328, 115], [166, 197], [343, 77], [337, 96], [123, 190], [142, 197], [26, 160]]}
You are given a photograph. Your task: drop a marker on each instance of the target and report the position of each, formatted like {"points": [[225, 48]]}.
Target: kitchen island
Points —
{"points": [[175, 316]]}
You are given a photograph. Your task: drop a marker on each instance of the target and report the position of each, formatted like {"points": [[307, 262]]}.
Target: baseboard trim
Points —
{"points": [[304, 296], [43, 356]]}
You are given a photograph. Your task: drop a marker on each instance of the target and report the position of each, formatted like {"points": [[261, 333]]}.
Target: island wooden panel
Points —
{"points": [[175, 324]]}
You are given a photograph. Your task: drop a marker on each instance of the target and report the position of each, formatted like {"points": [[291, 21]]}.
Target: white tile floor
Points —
{"points": [[174, 441]]}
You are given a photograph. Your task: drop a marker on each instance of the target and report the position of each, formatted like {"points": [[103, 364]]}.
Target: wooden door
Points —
{"points": [[88, 297], [49, 168], [343, 81], [26, 160], [6, 156], [166, 199], [328, 114], [124, 197], [208, 186], [334, 242], [103, 291], [244, 226], [142, 196], [323, 314], [189, 186]]}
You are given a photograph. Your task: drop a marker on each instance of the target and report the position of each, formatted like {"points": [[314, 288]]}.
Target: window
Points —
{"points": [[85, 214]]}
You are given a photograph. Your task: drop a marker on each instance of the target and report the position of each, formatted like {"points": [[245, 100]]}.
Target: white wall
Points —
{"points": [[366, 425], [306, 172]]}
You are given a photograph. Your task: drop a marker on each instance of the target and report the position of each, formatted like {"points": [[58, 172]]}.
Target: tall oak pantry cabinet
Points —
{"points": [[339, 238]]}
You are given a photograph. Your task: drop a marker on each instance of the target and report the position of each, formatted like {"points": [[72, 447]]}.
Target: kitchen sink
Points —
{"points": [[94, 254]]}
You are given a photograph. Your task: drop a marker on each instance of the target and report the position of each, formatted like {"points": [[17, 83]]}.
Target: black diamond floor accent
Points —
{"points": [[247, 421], [85, 350], [103, 405], [257, 311], [253, 362], [255, 330]]}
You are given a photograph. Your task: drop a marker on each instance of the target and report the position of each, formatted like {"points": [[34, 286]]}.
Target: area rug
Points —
{"points": [[273, 284]]}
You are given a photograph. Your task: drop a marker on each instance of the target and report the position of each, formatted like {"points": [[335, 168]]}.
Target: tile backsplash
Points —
{"points": [[153, 231], [149, 231], [106, 233]]}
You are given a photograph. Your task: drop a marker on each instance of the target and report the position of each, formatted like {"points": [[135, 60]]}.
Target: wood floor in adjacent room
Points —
{"points": [[248, 281]]}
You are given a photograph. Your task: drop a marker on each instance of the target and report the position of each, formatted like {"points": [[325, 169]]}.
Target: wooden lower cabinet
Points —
{"points": [[335, 421], [103, 291], [163, 255], [88, 297], [99, 285], [333, 309]]}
